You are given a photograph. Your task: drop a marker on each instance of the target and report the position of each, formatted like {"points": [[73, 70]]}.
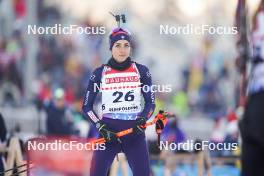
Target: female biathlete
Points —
{"points": [[123, 85]]}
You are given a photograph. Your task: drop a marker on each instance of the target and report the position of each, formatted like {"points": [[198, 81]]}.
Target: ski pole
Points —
{"points": [[130, 130], [124, 132]]}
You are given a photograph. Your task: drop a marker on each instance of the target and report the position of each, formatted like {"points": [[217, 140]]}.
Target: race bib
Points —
{"points": [[121, 91]]}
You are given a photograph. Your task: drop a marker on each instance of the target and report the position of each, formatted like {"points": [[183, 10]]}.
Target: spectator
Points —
{"points": [[58, 115], [173, 134]]}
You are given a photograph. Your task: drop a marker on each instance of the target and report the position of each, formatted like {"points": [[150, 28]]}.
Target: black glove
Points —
{"points": [[161, 122], [140, 125], [159, 125], [107, 133]]}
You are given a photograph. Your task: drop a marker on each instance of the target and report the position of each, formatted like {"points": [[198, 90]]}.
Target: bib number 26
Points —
{"points": [[129, 96]]}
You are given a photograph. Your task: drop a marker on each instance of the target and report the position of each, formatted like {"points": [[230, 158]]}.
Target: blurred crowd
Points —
{"points": [[62, 61]]}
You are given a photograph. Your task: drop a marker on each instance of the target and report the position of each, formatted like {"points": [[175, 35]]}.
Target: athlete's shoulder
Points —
{"points": [[97, 73], [143, 70], [141, 67], [99, 69]]}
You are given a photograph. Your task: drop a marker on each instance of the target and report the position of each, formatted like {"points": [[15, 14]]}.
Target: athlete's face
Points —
{"points": [[121, 50]]}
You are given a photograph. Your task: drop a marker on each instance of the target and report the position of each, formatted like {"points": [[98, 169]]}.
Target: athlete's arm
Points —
{"points": [[149, 95], [90, 95]]}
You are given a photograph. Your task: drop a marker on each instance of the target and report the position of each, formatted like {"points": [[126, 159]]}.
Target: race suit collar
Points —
{"points": [[119, 66]]}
